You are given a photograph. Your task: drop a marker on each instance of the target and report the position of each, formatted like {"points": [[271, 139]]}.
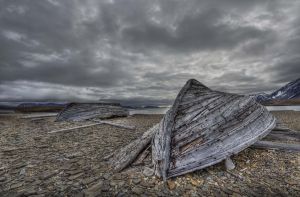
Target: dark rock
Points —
{"points": [[76, 176], [138, 190], [48, 175], [148, 171], [95, 189], [16, 185]]}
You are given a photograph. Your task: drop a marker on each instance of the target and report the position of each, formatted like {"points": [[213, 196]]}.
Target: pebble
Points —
{"points": [[95, 189], [88, 180], [171, 184], [121, 183], [23, 171], [106, 176], [197, 182], [136, 180], [2, 179], [48, 175], [229, 164], [137, 190], [148, 171], [75, 176], [16, 185]]}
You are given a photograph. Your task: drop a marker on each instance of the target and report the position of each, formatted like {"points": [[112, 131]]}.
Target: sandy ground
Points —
{"points": [[34, 162]]}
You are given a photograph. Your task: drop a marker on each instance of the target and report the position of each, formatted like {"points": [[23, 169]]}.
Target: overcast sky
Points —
{"points": [[145, 50]]}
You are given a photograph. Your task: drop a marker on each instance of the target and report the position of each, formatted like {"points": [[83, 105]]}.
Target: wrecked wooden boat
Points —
{"points": [[202, 128], [86, 111], [30, 107]]}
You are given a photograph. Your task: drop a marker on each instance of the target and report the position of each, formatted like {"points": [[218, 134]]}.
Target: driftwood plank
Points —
{"points": [[284, 135], [276, 146], [114, 124], [74, 128]]}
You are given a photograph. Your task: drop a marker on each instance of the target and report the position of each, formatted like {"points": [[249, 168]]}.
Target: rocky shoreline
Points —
{"points": [[36, 163]]}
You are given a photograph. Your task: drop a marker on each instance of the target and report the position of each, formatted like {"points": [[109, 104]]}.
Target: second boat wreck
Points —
{"points": [[202, 128], [86, 111]]}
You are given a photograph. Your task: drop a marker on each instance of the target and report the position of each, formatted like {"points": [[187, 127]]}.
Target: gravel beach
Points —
{"points": [[34, 162]]}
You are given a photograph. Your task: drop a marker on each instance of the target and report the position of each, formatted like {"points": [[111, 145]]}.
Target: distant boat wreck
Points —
{"points": [[202, 128], [86, 111], [30, 107]]}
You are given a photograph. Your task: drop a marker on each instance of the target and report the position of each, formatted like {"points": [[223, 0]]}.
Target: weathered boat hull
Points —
{"points": [[85, 111], [204, 127]]}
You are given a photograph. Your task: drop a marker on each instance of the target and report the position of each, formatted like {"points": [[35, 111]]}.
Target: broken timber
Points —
{"points": [[202, 128]]}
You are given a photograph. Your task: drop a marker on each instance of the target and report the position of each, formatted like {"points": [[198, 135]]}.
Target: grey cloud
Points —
{"points": [[203, 31], [286, 70], [140, 49]]}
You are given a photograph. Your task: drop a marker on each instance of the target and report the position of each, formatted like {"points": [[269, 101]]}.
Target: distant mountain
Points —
{"points": [[289, 92]]}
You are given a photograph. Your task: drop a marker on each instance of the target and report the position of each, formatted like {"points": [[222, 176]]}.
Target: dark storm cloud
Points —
{"points": [[144, 50], [202, 31]]}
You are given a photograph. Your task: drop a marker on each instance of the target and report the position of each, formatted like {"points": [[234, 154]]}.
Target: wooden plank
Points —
{"points": [[276, 146], [284, 135], [74, 128], [114, 124]]}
